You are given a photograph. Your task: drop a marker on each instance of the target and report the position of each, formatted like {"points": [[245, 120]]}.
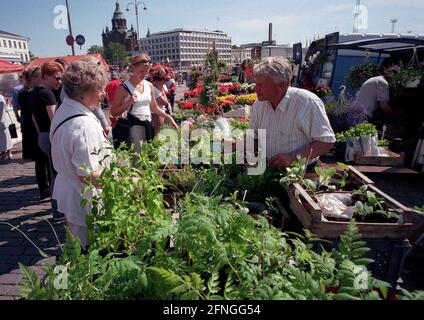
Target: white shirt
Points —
{"points": [[158, 93], [72, 147], [299, 120], [141, 108], [372, 91]]}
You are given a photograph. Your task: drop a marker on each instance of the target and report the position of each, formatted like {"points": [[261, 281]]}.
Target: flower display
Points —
{"points": [[248, 99]]}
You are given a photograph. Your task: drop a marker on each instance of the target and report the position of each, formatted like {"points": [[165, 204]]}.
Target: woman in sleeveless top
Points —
{"points": [[140, 104], [159, 76]]}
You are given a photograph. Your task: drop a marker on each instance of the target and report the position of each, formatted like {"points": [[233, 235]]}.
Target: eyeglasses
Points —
{"points": [[143, 62]]}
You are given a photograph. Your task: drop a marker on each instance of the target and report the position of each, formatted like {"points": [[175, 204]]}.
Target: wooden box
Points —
{"points": [[310, 215], [394, 159]]}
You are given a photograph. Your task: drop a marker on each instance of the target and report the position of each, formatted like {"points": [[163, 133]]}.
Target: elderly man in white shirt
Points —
{"points": [[294, 119], [75, 133]]}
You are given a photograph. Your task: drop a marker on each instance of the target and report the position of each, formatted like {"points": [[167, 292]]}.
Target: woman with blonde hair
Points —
{"points": [[136, 97], [75, 134]]}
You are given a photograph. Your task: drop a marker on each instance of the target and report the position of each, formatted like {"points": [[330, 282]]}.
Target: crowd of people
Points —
{"points": [[62, 110]]}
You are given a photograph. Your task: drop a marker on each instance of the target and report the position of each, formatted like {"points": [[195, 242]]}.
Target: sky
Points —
{"points": [[245, 21]]}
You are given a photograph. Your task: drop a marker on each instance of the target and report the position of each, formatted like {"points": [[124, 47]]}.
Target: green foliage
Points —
{"points": [[195, 76], [32, 56], [361, 73], [115, 222], [400, 79], [95, 49], [182, 115], [295, 173], [241, 125], [360, 130], [214, 250], [406, 295], [115, 54], [372, 208], [420, 208]]}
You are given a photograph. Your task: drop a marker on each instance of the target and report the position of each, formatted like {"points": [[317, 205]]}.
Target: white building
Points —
{"points": [[241, 54], [186, 48], [14, 48]]}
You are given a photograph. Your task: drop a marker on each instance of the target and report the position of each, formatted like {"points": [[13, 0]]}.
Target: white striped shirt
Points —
{"points": [[299, 120]]}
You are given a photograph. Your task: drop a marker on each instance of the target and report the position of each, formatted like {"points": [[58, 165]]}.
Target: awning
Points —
{"points": [[69, 59], [7, 67], [381, 45]]}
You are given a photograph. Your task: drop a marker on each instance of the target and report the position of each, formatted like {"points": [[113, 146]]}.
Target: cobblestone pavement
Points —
{"points": [[20, 206]]}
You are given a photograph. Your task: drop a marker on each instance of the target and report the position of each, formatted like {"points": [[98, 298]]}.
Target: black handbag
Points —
{"points": [[12, 127], [121, 131]]}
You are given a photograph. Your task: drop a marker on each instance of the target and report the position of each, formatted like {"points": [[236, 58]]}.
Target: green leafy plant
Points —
{"points": [[372, 208], [213, 250], [420, 208], [360, 130], [405, 75], [361, 73]]}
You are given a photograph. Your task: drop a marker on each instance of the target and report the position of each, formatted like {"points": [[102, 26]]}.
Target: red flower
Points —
{"points": [[209, 110], [223, 90]]}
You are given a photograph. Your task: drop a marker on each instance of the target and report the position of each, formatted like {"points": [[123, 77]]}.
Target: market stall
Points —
{"points": [[9, 74], [69, 59]]}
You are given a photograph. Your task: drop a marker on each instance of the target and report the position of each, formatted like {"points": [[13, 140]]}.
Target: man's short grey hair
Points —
{"points": [[82, 77], [279, 69]]}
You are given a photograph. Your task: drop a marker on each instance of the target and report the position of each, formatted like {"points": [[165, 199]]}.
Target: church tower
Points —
{"points": [[119, 23]]}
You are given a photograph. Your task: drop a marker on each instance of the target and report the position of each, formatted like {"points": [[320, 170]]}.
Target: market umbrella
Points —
{"points": [[7, 67], [69, 59]]}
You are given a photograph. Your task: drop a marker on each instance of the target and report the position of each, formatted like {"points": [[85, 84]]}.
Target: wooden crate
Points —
{"points": [[355, 175], [310, 215], [394, 159]]}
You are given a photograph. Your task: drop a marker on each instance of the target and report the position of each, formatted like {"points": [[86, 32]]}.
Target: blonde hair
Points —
{"points": [[82, 77]]}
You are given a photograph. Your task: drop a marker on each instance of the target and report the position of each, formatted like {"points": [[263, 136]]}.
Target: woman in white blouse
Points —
{"points": [[136, 97], [75, 133]]}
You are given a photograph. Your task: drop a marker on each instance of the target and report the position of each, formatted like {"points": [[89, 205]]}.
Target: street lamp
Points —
{"points": [[393, 22], [135, 3]]}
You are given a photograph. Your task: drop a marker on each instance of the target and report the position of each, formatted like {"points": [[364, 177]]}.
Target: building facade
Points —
{"points": [[241, 54], [120, 33], [186, 48], [14, 48]]}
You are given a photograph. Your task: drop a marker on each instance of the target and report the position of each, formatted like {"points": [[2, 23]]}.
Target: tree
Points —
{"points": [[31, 56], [115, 54], [234, 47], [95, 49]]}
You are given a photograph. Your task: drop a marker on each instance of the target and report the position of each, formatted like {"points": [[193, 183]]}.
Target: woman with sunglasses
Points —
{"points": [[30, 148], [136, 97], [43, 103]]}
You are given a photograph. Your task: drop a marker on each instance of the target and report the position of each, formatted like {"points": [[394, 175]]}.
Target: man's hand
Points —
{"points": [[281, 161]]}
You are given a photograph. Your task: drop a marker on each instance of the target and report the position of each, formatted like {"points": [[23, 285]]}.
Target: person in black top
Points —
{"points": [[58, 92], [30, 149], [43, 103]]}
